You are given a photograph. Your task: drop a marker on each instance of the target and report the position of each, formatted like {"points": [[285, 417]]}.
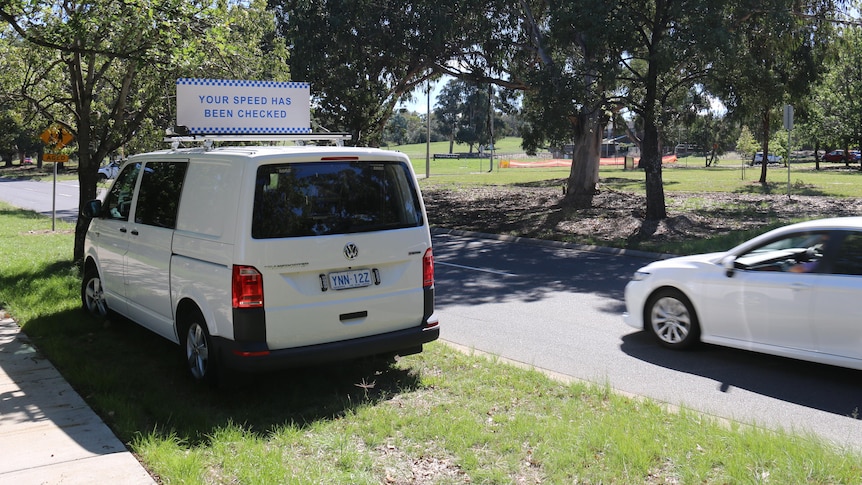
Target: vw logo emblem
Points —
{"points": [[351, 251]]}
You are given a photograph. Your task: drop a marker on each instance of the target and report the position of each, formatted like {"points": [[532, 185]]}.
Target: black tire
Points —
{"points": [[672, 319], [92, 294], [199, 353]]}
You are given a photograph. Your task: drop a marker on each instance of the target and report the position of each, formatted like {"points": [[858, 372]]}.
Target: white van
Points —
{"points": [[258, 258]]}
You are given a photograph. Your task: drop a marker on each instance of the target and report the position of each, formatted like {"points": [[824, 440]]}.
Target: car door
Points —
{"points": [[149, 249], [836, 317], [110, 233], [779, 282]]}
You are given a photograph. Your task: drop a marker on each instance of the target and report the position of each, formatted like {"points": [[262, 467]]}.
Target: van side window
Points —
{"points": [[341, 197], [118, 203], [159, 195]]}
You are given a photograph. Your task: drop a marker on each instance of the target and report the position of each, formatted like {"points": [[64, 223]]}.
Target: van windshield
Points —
{"points": [[338, 197]]}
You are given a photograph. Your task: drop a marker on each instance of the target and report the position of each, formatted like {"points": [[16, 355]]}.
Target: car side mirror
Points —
{"points": [[729, 265], [92, 208]]}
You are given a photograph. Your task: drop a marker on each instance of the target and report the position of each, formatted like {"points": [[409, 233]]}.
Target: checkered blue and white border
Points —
{"points": [[248, 131], [241, 84]]}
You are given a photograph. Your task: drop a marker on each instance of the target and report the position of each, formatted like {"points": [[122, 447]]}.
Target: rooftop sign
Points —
{"points": [[213, 106]]}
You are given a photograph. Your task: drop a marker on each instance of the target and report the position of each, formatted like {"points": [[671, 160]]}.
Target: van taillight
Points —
{"points": [[247, 287], [428, 269]]}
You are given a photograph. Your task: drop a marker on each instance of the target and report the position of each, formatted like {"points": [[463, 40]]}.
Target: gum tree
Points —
{"points": [[107, 70], [776, 57], [363, 56]]}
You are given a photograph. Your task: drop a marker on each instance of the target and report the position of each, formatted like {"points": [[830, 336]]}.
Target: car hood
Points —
{"points": [[683, 261]]}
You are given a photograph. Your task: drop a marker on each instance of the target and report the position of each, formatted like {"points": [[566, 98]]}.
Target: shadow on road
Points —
{"points": [[827, 388], [493, 271]]}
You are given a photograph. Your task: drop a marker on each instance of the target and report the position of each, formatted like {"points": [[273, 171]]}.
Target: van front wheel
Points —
{"points": [[199, 353], [92, 296]]}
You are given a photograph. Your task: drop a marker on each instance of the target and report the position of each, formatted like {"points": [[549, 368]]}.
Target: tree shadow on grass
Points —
{"points": [[137, 382]]}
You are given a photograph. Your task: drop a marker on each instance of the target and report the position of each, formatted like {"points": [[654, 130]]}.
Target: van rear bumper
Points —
{"points": [[246, 356]]}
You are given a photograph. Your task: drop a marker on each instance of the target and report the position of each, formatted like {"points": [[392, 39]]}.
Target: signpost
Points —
{"points": [[788, 125], [55, 137]]}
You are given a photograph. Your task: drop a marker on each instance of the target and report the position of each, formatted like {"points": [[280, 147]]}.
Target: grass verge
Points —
{"points": [[438, 417]]}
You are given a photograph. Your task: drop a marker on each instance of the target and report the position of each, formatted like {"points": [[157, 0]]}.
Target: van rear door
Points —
{"points": [[340, 245]]}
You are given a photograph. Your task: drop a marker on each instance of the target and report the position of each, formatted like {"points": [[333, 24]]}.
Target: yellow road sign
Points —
{"points": [[56, 137], [56, 158]]}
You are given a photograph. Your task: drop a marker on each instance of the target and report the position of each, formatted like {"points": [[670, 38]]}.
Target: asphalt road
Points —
{"points": [[37, 196], [559, 309]]}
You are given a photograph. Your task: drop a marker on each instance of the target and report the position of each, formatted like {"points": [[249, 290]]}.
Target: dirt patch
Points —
{"points": [[617, 218]]}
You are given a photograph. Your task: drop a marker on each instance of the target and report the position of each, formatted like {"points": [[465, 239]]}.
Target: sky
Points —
{"points": [[420, 101]]}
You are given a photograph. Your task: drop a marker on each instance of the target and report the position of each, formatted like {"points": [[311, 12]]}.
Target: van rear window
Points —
{"points": [[338, 197]]}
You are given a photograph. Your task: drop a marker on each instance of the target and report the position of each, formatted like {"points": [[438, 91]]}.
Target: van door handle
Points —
{"points": [[124, 230], [352, 316], [134, 232]]}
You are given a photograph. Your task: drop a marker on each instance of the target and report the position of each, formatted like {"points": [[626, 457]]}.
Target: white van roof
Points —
{"points": [[273, 151]]}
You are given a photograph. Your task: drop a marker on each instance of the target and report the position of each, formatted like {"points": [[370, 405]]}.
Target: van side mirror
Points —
{"points": [[729, 264], [92, 208]]}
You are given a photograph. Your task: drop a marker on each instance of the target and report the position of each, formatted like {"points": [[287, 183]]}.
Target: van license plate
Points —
{"points": [[343, 280]]}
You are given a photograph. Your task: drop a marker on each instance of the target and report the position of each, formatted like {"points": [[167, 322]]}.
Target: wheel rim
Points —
{"points": [[197, 351], [670, 320], [95, 298]]}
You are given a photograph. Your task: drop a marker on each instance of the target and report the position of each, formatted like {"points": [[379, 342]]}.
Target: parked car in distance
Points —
{"points": [[792, 292], [772, 158], [109, 171], [838, 156]]}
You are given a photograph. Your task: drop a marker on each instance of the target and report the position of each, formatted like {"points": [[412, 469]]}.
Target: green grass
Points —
{"points": [[439, 417]]}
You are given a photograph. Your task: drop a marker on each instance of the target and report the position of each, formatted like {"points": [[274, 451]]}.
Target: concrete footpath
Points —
{"points": [[48, 434]]}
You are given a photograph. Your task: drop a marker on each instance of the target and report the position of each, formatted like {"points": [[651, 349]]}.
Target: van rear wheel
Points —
{"points": [[200, 356]]}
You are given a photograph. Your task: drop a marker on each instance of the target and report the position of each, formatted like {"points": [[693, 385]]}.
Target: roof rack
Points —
{"points": [[208, 140]]}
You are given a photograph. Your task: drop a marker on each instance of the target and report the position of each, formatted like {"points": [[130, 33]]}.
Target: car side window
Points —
{"points": [[118, 203], [848, 256], [798, 253], [159, 195]]}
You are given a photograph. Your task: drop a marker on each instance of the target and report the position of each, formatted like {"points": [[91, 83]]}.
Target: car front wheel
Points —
{"points": [[671, 318]]}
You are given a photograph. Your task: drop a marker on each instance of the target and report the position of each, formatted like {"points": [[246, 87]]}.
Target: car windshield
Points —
{"points": [[339, 197]]}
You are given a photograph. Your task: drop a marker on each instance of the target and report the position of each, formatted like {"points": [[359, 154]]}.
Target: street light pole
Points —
{"points": [[428, 133]]}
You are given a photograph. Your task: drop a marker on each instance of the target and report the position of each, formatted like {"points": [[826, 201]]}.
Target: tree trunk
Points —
{"points": [[651, 162], [764, 123], [817, 155], [87, 178], [584, 175]]}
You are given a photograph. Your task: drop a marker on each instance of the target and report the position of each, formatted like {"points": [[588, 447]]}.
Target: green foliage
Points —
{"points": [[107, 70], [839, 94], [746, 144], [362, 57]]}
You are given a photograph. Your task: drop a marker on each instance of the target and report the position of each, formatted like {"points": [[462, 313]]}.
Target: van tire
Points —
{"points": [[92, 295], [199, 353]]}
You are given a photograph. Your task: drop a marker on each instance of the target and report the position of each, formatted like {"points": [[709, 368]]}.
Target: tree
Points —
{"points": [[448, 110], [841, 90], [669, 49], [107, 70], [746, 144], [561, 61], [776, 56], [363, 56]]}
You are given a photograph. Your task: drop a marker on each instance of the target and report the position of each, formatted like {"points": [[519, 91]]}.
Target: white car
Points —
{"points": [[109, 171], [771, 158], [793, 292]]}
